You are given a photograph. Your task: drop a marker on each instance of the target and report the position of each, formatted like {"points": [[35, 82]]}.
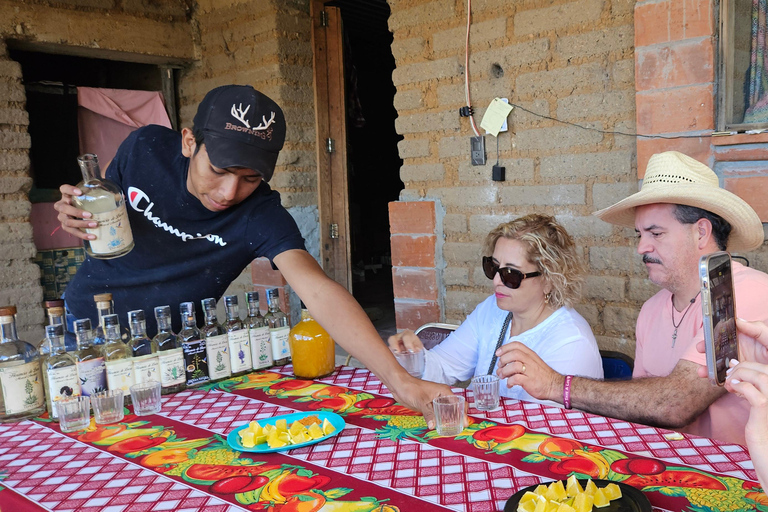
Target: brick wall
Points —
{"points": [[572, 60]]}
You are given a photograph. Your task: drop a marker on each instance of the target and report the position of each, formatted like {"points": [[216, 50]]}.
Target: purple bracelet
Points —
{"points": [[567, 391]]}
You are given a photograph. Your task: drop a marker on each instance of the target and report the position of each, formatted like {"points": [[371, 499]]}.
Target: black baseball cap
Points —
{"points": [[242, 128]]}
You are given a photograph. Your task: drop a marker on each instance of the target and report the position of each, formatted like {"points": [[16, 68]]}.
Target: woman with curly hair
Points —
{"points": [[537, 274]]}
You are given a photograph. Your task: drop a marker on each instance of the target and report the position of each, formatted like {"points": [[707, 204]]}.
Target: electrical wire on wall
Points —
{"points": [[469, 109]]}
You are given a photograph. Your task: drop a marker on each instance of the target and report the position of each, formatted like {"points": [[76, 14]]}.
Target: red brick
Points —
{"points": [[691, 18], [741, 152], [414, 283], [263, 274], [753, 190], [676, 110], [741, 138], [698, 148], [412, 217], [414, 314], [652, 23], [675, 64], [413, 250]]}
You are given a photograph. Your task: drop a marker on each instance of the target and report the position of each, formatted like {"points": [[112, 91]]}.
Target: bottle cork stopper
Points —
{"points": [[54, 304], [102, 297], [8, 311]]}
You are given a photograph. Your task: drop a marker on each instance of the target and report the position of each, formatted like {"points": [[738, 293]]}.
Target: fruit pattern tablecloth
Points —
{"points": [[384, 460]]}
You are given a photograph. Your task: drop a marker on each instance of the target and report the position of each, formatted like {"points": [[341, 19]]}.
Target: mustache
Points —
{"points": [[648, 259]]}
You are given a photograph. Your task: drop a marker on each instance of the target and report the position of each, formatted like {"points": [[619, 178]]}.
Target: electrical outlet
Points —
{"points": [[477, 147]]}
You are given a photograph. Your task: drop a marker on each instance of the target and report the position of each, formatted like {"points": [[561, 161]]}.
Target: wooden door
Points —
{"points": [[330, 118]]}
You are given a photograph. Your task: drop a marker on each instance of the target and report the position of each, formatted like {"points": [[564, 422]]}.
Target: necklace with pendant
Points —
{"points": [[674, 334]]}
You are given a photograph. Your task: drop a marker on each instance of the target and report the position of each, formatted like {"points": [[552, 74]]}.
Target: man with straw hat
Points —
{"points": [[679, 214]]}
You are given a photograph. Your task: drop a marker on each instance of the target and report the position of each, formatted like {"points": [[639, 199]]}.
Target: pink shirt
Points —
{"points": [[656, 357]]}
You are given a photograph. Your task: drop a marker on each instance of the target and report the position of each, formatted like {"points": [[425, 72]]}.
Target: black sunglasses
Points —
{"points": [[511, 277]]}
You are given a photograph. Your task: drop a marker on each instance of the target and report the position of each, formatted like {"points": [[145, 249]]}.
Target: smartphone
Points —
{"points": [[719, 308]]}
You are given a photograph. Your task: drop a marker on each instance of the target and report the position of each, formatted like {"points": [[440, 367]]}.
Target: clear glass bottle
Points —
{"points": [[193, 347], [105, 201], [117, 357], [237, 337], [21, 381], [216, 343], [313, 351], [279, 329], [56, 315], [91, 369], [258, 332], [146, 366], [169, 353], [105, 306], [59, 370]]}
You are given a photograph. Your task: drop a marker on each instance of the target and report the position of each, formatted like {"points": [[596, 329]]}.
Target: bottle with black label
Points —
{"points": [[193, 347], [59, 370], [91, 369], [169, 353], [216, 343], [279, 329], [117, 357], [21, 382], [237, 336], [258, 332], [146, 366]]}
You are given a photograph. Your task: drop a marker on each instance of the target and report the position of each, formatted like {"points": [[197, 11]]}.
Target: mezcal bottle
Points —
{"points": [[146, 366], [279, 329], [104, 307], [216, 343], [59, 370], [117, 357], [237, 336], [105, 201], [55, 311], [169, 353], [91, 370], [21, 382], [258, 331], [193, 347]]}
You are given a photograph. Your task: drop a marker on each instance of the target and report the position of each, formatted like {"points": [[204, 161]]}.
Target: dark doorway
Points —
{"points": [[373, 159]]}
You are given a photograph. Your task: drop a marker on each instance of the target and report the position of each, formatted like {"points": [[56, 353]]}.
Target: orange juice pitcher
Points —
{"points": [[312, 349]]}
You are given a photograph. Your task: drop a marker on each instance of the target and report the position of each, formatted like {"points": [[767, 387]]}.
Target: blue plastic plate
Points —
{"points": [[233, 439]]}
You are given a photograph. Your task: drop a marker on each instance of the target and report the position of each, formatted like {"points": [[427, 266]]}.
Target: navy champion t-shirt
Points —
{"points": [[183, 251]]}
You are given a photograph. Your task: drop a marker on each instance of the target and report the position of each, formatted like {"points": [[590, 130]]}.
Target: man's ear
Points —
{"points": [[187, 143], [704, 231]]}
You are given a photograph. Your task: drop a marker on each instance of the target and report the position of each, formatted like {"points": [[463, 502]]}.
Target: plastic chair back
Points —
{"points": [[617, 365], [433, 334]]}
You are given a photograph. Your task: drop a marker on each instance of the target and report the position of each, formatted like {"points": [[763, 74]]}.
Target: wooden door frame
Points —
{"points": [[330, 123]]}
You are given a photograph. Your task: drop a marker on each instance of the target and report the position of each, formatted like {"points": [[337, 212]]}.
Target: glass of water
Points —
{"points": [[146, 398], [74, 413], [108, 406], [449, 415], [486, 391], [412, 361]]}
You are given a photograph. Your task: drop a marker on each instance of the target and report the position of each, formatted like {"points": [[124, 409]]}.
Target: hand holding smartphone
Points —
{"points": [[719, 314]]}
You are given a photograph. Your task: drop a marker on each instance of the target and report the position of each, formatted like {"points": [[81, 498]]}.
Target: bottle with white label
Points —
{"points": [[279, 329], [59, 370], [169, 353], [216, 343], [91, 370], [106, 203], [258, 332], [237, 335], [193, 347], [21, 382], [117, 357], [146, 366]]}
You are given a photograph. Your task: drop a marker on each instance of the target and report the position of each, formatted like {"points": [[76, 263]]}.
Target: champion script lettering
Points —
{"points": [[140, 202]]}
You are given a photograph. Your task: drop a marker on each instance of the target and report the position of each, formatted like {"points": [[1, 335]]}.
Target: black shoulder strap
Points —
{"points": [[502, 334]]}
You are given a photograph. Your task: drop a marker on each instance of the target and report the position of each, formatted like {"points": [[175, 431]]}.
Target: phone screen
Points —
{"points": [[724, 335]]}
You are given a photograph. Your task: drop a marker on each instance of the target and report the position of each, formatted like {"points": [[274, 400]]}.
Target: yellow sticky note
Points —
{"points": [[494, 116]]}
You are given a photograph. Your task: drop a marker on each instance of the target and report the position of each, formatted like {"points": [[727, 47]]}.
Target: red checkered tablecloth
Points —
{"points": [[384, 460]]}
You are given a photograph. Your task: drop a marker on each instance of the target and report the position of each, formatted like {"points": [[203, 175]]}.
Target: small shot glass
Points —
{"points": [[486, 391], [413, 362], [146, 398], [108, 406], [74, 413], [449, 415]]}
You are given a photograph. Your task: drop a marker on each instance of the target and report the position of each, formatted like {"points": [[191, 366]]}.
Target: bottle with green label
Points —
{"points": [[279, 329], [237, 336], [258, 332], [91, 370], [146, 366], [117, 357], [193, 347], [21, 381], [170, 355], [216, 343], [59, 370]]}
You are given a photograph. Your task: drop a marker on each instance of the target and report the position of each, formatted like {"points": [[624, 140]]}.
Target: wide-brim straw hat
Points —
{"points": [[675, 178]]}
